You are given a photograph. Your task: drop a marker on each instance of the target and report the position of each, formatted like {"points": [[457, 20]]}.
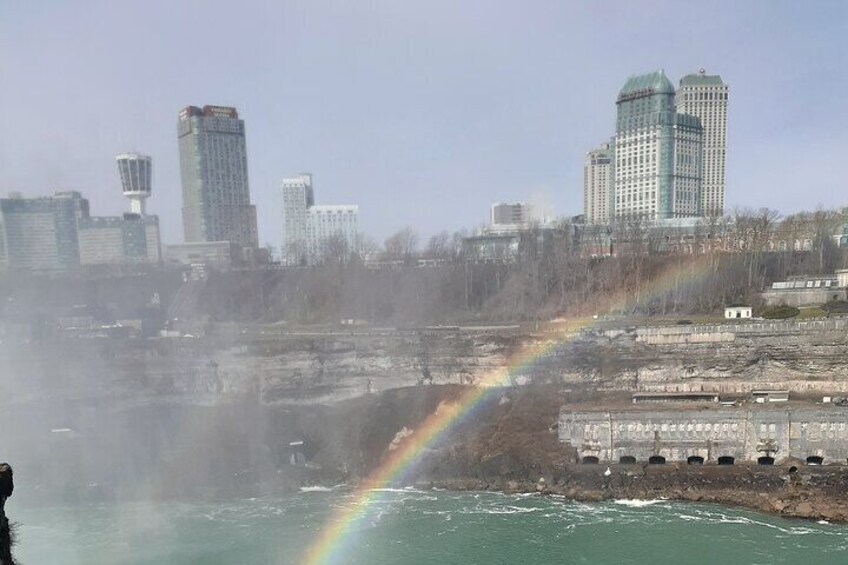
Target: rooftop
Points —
{"points": [[642, 85], [701, 79]]}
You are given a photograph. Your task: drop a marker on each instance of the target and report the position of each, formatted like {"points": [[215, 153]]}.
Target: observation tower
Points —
{"points": [[135, 170]]}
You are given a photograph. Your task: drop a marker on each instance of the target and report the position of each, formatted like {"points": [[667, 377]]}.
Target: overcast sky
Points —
{"points": [[423, 113]]}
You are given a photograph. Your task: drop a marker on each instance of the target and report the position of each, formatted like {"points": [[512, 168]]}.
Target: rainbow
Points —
{"points": [[332, 543]]}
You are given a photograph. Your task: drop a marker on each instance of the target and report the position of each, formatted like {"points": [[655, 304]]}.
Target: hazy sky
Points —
{"points": [[423, 113]]}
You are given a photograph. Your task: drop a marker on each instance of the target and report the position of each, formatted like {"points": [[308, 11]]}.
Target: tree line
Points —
{"points": [[566, 269]]}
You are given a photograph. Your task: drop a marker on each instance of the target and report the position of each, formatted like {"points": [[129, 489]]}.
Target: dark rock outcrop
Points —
{"points": [[6, 488]]}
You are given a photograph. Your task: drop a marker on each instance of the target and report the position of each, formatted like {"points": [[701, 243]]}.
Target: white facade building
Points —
{"points": [[597, 185], [316, 234], [733, 312], [331, 233], [705, 96]]}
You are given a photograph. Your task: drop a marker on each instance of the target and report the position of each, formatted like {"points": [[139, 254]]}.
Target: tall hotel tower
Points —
{"points": [[658, 153], [298, 198], [705, 96], [597, 185], [213, 167]]}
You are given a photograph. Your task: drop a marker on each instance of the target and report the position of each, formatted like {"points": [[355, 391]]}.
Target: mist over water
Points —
{"points": [[420, 527]]}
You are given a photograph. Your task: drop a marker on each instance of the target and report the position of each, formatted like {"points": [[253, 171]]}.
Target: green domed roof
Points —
{"points": [[651, 83]]}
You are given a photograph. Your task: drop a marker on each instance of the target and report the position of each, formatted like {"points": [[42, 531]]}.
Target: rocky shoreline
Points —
{"points": [[811, 493]]}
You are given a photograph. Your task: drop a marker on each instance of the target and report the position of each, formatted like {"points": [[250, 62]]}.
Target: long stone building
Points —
{"points": [[724, 435]]}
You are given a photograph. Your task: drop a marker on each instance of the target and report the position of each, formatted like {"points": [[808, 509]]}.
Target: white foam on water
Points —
{"points": [[637, 503], [504, 510], [316, 489], [714, 517], [404, 490]]}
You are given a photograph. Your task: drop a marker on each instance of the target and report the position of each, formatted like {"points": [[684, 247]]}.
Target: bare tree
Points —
{"points": [[336, 249], [440, 247], [402, 245], [366, 248]]}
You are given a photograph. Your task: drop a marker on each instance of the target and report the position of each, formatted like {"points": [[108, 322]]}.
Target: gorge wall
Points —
{"points": [[181, 416], [330, 366]]}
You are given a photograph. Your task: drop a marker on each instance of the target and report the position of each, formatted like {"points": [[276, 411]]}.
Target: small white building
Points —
{"points": [[764, 396], [732, 312]]}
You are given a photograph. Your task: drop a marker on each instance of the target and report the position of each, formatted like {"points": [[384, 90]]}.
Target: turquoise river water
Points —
{"points": [[420, 527]]}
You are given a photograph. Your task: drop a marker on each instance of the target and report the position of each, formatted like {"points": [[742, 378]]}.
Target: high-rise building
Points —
{"points": [[657, 153], [597, 185], [503, 213], [136, 173], [509, 217], [40, 234], [316, 234], [213, 167], [705, 96], [298, 197]]}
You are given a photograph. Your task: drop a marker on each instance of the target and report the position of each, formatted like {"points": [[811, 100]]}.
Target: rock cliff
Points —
{"points": [[321, 368]]}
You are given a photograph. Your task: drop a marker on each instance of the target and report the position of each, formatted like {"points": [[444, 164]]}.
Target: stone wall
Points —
{"points": [[721, 332], [803, 296]]}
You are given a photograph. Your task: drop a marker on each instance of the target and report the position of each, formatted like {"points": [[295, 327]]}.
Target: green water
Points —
{"points": [[421, 527]]}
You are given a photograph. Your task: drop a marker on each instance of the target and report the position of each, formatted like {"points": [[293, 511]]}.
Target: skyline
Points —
{"points": [[406, 104]]}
